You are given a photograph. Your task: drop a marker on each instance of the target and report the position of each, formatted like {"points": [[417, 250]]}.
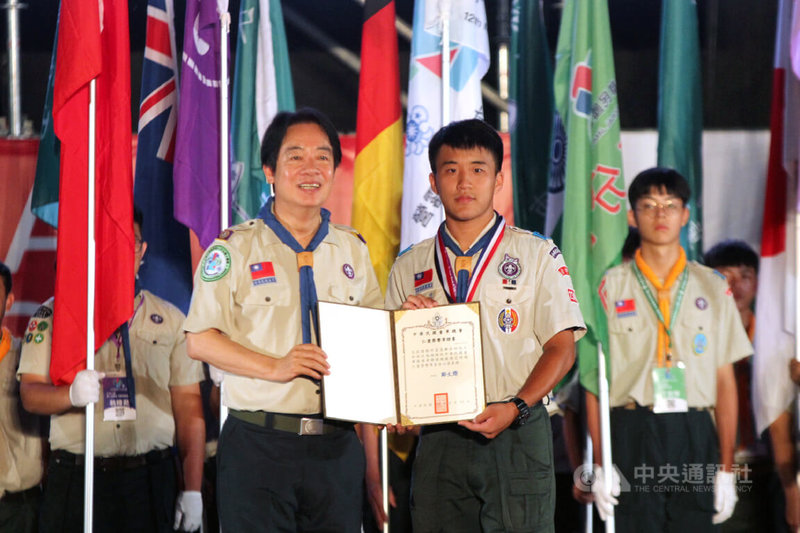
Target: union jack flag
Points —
{"points": [[166, 269]]}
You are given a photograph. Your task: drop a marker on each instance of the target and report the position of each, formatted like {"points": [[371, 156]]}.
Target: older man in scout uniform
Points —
{"points": [[21, 435], [674, 332], [281, 466], [135, 480], [493, 473]]}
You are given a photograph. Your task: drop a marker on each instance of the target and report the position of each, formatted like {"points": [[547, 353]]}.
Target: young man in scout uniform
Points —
{"points": [[21, 435], [281, 466], [493, 473], [674, 332], [134, 472]]}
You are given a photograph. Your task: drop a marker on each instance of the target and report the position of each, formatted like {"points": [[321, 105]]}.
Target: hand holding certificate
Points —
{"points": [[409, 367]]}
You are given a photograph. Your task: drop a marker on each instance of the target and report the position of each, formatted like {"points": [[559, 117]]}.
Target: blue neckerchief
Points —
{"points": [[126, 349], [308, 290], [463, 275]]}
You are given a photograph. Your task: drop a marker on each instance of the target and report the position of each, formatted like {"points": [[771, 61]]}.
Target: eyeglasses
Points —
{"points": [[651, 208]]}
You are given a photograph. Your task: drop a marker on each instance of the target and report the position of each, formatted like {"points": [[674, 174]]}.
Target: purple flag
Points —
{"points": [[197, 151]]}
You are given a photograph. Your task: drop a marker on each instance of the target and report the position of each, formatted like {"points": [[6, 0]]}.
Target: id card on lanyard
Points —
{"points": [[669, 389]]}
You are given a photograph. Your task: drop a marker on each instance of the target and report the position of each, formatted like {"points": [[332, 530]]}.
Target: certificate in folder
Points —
{"points": [[402, 367]]}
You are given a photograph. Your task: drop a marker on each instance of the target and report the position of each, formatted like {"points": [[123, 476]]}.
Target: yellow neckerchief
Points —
{"points": [[663, 297], [5, 343]]}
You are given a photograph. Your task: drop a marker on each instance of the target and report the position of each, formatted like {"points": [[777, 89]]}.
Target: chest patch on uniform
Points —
{"points": [[217, 263], [564, 271], [348, 271], [508, 320], [262, 273], [509, 268], [156, 318], [42, 326], [571, 294], [625, 308], [32, 325], [423, 281], [28, 338], [555, 252], [700, 344], [701, 303]]}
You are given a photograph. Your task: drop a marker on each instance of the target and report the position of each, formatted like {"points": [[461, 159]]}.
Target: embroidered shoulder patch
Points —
{"points": [[43, 312], [216, 264]]}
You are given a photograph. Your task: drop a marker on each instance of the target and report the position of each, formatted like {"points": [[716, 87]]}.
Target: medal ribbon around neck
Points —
{"points": [[662, 307], [461, 289]]}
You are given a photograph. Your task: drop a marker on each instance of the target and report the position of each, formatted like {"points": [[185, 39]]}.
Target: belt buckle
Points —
{"points": [[310, 426]]}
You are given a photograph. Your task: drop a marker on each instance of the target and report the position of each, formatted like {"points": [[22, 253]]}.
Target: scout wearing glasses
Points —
{"points": [[281, 467], [530, 322], [674, 332]]}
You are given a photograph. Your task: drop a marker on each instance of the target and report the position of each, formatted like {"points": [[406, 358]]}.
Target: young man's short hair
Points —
{"points": [[466, 134], [276, 131], [660, 179], [731, 253], [5, 275]]}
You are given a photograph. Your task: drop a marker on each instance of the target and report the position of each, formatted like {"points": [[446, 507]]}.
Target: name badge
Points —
{"points": [[116, 399], [669, 390]]}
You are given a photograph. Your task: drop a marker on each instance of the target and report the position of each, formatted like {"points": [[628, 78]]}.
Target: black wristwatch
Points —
{"points": [[524, 410]]}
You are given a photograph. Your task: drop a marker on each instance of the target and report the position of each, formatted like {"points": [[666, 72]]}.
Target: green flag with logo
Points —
{"points": [[44, 198], [262, 86], [680, 110], [530, 113], [594, 216]]}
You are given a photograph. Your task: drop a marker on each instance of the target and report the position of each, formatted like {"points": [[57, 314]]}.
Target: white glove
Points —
{"points": [[216, 375], [188, 511], [724, 496], [605, 497], [85, 388]]}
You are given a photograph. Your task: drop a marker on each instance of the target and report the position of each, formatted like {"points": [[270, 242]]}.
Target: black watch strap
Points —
{"points": [[523, 408]]}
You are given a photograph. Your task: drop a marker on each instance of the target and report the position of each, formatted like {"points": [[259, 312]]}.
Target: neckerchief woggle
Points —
{"points": [[305, 263], [460, 286], [651, 299]]}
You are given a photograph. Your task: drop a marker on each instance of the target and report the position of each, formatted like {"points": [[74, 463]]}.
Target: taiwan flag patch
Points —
{"points": [[262, 273], [423, 281], [625, 308]]}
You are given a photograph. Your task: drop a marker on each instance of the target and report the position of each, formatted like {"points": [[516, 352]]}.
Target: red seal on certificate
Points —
{"points": [[440, 403]]}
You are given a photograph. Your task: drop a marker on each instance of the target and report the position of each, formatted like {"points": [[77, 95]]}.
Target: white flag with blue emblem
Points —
{"points": [[469, 62]]}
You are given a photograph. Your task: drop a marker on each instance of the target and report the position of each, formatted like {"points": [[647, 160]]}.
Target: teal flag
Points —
{"points": [[680, 110], [44, 198], [531, 114], [594, 216], [262, 86]]}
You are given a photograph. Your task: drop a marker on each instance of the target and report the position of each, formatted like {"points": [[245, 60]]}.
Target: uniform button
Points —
{"points": [[267, 299], [317, 391], [630, 329], [508, 300], [155, 342], [117, 426], [351, 298]]}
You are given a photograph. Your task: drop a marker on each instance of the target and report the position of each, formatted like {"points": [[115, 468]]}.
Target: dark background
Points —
{"points": [[736, 37]]}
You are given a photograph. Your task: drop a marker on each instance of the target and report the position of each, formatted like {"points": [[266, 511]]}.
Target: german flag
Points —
{"points": [[378, 174]]}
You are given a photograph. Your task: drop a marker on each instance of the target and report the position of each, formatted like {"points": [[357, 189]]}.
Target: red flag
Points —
{"points": [[92, 44]]}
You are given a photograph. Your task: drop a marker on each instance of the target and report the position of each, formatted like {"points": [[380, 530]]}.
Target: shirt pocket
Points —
{"points": [[509, 311], [153, 357], [343, 294], [268, 296]]}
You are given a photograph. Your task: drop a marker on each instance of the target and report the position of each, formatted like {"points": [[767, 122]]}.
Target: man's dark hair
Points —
{"points": [[466, 134], [731, 253], [661, 179], [138, 217], [632, 243], [5, 275], [276, 132]]}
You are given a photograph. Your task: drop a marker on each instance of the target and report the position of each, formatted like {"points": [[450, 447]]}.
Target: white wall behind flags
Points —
{"points": [[734, 179]]}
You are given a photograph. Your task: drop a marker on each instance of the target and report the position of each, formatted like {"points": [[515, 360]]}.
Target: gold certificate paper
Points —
{"points": [[412, 367]]}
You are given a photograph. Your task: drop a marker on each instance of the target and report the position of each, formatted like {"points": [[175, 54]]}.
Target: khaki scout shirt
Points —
{"points": [[159, 361], [247, 286], [706, 335], [518, 316], [21, 433]]}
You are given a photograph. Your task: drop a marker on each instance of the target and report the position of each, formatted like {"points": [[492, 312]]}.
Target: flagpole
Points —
{"points": [[385, 475], [224, 160], [605, 428], [88, 454], [444, 12]]}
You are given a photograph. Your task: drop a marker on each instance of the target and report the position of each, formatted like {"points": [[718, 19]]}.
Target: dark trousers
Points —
{"points": [[19, 511], [463, 482], [272, 480], [130, 500], [667, 462]]}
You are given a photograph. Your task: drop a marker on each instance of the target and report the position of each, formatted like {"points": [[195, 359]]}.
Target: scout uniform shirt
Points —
{"points": [[707, 333], [247, 287], [159, 361], [21, 433], [525, 296]]}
